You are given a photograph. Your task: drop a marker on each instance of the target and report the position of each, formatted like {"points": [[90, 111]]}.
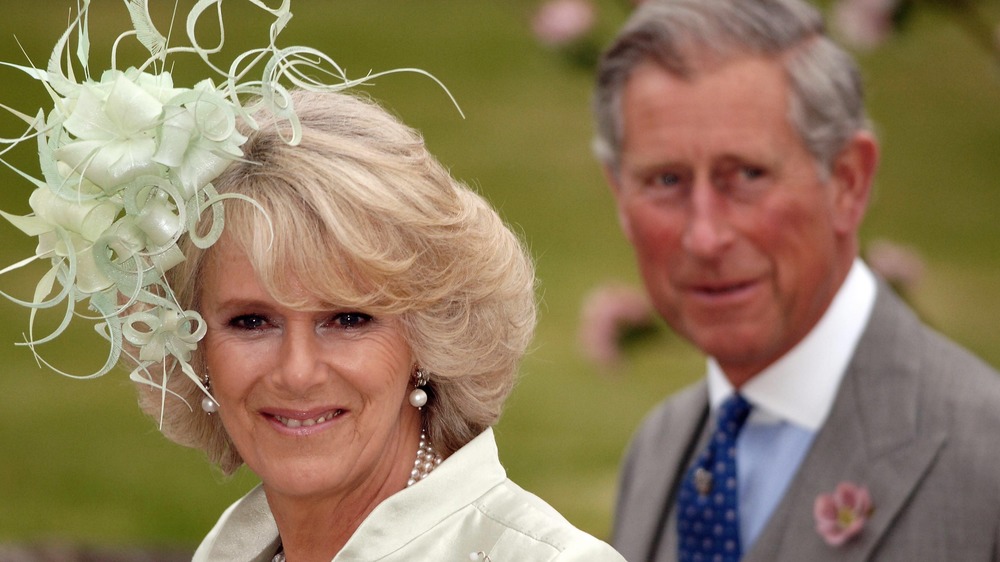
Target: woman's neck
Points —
{"points": [[315, 529]]}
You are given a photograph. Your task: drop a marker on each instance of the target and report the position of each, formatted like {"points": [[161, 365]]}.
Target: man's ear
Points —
{"points": [[852, 177], [613, 179]]}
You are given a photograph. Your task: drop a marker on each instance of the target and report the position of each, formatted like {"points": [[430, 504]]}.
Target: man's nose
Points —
{"points": [[707, 233]]}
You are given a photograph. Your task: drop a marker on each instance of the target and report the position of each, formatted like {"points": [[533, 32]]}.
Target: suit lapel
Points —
{"points": [[871, 439], [665, 443]]}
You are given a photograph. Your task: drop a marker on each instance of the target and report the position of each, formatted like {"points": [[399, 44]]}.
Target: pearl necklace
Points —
{"points": [[427, 460]]}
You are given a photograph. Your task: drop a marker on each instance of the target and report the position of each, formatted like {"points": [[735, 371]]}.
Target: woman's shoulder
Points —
{"points": [[530, 525]]}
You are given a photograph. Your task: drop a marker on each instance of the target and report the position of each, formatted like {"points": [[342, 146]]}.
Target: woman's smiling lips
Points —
{"points": [[302, 421]]}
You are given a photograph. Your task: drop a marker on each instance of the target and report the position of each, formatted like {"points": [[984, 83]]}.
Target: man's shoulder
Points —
{"points": [[950, 388], [959, 381], [949, 370]]}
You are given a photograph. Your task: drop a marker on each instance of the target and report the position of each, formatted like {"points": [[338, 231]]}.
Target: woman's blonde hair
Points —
{"points": [[361, 214]]}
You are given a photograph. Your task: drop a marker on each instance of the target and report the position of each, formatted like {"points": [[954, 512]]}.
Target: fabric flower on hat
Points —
{"points": [[68, 227], [127, 162], [113, 124], [111, 204], [199, 137], [842, 515]]}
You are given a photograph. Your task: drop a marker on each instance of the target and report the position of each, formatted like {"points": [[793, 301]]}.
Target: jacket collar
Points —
{"points": [[247, 531]]}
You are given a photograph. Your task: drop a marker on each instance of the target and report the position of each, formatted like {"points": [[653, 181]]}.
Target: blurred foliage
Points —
{"points": [[80, 463]]}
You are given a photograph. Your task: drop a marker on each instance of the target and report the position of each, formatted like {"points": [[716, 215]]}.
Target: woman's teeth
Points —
{"points": [[294, 423]]}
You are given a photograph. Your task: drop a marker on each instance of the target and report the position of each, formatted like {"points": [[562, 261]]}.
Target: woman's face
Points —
{"points": [[314, 400]]}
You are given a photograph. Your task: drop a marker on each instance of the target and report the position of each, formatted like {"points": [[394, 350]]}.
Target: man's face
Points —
{"points": [[740, 243]]}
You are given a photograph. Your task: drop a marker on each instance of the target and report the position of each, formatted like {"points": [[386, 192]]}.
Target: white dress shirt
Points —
{"points": [[791, 399]]}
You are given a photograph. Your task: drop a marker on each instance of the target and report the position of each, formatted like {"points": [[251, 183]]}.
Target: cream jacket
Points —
{"points": [[466, 506]]}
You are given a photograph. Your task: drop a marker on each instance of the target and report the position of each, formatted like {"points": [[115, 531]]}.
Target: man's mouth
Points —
{"points": [[723, 289]]}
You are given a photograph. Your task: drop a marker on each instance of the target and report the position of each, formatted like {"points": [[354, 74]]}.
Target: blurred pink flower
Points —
{"points": [[865, 24], [901, 266], [561, 22], [842, 514], [608, 314]]}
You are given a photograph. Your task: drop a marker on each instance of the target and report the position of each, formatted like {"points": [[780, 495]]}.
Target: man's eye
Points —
{"points": [[751, 173], [668, 179], [351, 319], [248, 322], [744, 182]]}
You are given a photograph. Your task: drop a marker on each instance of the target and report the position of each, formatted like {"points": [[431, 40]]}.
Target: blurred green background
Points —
{"points": [[79, 463]]}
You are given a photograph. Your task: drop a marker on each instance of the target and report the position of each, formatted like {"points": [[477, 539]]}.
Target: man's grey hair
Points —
{"points": [[685, 37]]}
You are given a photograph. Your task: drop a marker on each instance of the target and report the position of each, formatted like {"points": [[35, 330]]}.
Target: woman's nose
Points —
{"points": [[300, 368]]}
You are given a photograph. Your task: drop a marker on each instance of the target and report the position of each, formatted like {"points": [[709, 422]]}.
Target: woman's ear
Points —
{"points": [[852, 177]]}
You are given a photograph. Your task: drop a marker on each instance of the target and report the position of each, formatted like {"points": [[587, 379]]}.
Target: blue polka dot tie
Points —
{"points": [[708, 523]]}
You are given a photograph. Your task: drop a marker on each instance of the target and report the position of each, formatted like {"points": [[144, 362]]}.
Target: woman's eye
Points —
{"points": [[351, 320], [248, 322]]}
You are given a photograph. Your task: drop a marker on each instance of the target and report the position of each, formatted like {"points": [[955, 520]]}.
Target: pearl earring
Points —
{"points": [[418, 396], [208, 404]]}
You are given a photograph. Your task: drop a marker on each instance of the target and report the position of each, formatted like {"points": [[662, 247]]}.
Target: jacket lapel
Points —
{"points": [[663, 448], [871, 439]]}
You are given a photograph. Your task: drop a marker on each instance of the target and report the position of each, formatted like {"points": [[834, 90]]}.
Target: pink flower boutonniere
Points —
{"points": [[842, 514]]}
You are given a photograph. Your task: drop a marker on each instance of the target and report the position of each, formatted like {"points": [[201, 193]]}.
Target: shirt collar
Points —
{"points": [[800, 386]]}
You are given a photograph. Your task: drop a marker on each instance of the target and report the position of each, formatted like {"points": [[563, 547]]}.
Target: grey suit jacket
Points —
{"points": [[916, 420]]}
